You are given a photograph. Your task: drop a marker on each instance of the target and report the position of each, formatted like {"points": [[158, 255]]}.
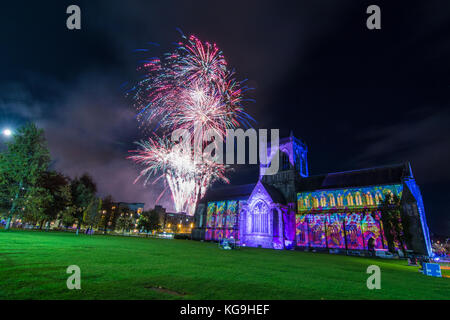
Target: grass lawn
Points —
{"points": [[33, 266]]}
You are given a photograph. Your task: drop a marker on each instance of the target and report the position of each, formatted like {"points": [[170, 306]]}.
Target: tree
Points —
{"points": [[394, 223], [37, 200], [149, 221], [108, 212], [125, 222], [21, 165], [67, 216], [91, 215], [116, 213], [83, 191], [55, 185]]}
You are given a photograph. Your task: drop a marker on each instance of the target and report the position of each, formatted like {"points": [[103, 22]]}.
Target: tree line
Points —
{"points": [[35, 194]]}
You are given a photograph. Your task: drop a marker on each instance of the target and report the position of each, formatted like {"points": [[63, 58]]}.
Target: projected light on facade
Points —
{"points": [[343, 218], [221, 220]]}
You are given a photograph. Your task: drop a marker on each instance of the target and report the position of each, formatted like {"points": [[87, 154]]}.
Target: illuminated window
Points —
{"points": [[260, 218], [349, 200], [323, 201], [332, 201], [378, 198], [369, 199], [300, 203], [315, 202], [340, 200], [306, 201], [358, 199]]}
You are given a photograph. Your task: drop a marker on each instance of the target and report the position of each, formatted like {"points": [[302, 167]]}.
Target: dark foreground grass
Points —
{"points": [[33, 266]]}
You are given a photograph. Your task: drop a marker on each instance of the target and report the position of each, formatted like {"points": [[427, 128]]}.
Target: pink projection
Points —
{"points": [[335, 231], [353, 231], [317, 230]]}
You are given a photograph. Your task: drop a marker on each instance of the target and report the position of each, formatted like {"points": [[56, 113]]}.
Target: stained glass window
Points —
{"points": [[332, 201], [358, 199], [260, 218], [323, 201], [349, 199]]}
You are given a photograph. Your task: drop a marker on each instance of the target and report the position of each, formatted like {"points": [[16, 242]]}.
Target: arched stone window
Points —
{"points": [[369, 199], [323, 201], [297, 162], [358, 199], [378, 197], [300, 203], [349, 199], [260, 218], [275, 224], [307, 205], [332, 201], [285, 164], [315, 202], [340, 200]]}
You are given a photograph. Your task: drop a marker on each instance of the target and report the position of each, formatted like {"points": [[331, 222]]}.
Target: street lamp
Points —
{"points": [[7, 132]]}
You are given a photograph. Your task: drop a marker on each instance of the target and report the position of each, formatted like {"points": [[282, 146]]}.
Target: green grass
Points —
{"points": [[33, 266]]}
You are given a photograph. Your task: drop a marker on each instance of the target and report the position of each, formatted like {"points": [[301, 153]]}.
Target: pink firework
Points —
{"points": [[192, 89], [187, 180], [202, 62], [166, 90]]}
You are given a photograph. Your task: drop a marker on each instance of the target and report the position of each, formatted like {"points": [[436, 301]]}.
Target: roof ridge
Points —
{"points": [[362, 169], [231, 186]]}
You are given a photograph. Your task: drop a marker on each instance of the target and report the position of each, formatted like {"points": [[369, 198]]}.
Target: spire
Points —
{"points": [[409, 169]]}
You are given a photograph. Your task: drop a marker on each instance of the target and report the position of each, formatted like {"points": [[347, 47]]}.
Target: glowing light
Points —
{"points": [[7, 132]]}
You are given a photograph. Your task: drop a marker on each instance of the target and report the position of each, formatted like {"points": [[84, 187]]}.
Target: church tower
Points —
{"points": [[293, 165]]}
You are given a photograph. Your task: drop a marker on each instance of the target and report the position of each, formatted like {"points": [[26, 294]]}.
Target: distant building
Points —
{"points": [[130, 208], [174, 222]]}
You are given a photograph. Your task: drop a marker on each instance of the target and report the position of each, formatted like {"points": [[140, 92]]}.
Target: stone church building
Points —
{"points": [[335, 211]]}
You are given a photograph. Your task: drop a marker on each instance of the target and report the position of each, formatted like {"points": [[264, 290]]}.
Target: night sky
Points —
{"points": [[357, 97]]}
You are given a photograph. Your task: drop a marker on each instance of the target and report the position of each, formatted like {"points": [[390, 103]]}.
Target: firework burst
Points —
{"points": [[192, 80], [192, 89], [187, 179]]}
